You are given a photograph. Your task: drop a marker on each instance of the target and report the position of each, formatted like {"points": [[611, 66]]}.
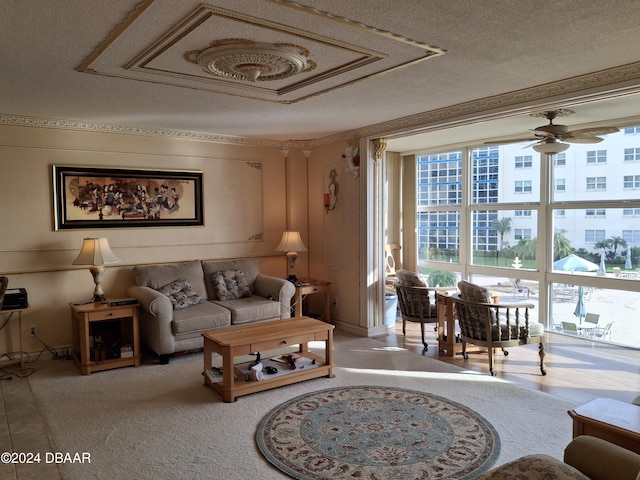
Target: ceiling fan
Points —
{"points": [[549, 137]]}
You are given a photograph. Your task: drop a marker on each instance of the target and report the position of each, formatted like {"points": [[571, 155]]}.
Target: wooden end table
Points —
{"points": [[447, 325], [612, 420], [86, 321], [239, 340], [315, 286], [10, 312]]}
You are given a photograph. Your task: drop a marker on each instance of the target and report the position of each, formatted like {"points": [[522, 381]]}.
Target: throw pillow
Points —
{"points": [[405, 277], [230, 285], [181, 294], [474, 293]]}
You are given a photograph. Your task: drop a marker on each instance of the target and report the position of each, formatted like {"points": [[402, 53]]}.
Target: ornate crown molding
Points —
{"points": [[601, 85]]}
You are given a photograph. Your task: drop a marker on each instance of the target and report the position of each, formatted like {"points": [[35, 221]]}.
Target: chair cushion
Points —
{"points": [[181, 294], [534, 467], [405, 277], [473, 293], [230, 284]]}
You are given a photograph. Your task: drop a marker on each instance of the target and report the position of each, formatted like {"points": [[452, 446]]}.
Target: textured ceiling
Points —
{"points": [[380, 66]]}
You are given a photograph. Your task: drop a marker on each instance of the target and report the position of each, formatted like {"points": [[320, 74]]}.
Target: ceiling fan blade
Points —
{"points": [[517, 140], [582, 139], [543, 134], [593, 131]]}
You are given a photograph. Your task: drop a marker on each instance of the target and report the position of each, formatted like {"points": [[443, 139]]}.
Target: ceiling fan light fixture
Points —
{"points": [[551, 147]]}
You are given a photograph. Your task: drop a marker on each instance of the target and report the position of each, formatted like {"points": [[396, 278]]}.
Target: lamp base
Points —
{"points": [[292, 278], [99, 299]]}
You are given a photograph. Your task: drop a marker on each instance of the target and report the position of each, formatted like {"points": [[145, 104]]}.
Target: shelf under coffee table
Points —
{"points": [[242, 340]]}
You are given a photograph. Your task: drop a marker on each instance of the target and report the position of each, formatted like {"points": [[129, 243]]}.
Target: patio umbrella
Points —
{"points": [[574, 263], [627, 263], [602, 269], [580, 310]]}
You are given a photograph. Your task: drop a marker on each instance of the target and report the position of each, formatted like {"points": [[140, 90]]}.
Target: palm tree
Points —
{"points": [[561, 245], [502, 226], [614, 243], [526, 248]]}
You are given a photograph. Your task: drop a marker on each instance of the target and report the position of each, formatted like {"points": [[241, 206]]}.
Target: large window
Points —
{"points": [[481, 209]]}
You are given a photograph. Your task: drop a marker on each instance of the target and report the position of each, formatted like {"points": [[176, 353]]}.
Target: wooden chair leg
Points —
{"points": [[491, 370], [404, 326], [543, 369], [423, 340]]}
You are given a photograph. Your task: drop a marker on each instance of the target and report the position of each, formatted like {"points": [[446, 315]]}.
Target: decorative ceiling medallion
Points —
{"points": [[246, 60]]}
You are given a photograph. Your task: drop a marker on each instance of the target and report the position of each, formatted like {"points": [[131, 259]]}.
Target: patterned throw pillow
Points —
{"points": [[405, 277], [181, 294], [230, 284], [474, 293]]}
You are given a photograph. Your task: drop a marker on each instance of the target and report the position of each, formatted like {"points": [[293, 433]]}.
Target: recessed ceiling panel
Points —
{"points": [[150, 47]]}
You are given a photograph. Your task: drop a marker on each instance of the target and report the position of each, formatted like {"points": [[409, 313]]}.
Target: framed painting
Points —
{"points": [[87, 197]]}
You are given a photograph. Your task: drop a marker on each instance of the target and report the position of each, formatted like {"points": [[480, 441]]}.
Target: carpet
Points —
{"points": [[159, 421], [376, 432]]}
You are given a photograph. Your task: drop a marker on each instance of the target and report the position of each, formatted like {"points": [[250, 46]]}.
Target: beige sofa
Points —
{"points": [[585, 458], [181, 300]]}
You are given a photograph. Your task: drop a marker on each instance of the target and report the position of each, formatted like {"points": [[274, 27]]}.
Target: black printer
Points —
{"points": [[15, 298]]}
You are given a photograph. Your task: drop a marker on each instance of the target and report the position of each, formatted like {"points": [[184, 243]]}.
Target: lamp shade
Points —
{"points": [[291, 242], [96, 251], [551, 147]]}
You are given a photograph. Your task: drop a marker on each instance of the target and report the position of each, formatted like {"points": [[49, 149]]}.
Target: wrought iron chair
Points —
{"points": [[602, 332], [495, 325]]}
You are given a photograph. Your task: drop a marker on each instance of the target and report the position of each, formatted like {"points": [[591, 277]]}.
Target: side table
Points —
{"points": [[612, 420], [10, 312], [119, 327], [315, 286], [447, 325]]}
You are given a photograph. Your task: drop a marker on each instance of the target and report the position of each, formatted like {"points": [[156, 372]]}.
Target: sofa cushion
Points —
{"points": [[405, 277], [230, 284], [248, 266], [200, 318], [473, 293], [157, 276], [181, 294], [534, 467], [251, 309]]}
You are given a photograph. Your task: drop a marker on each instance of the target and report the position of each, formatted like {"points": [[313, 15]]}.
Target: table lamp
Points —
{"points": [[97, 253], [292, 244]]}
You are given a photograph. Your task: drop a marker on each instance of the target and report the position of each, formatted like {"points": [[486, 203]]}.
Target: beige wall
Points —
{"points": [[334, 236], [35, 256]]}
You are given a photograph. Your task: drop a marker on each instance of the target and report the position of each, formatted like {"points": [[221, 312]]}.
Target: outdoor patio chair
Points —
{"points": [[617, 272], [495, 325], [601, 333], [569, 328], [592, 319]]}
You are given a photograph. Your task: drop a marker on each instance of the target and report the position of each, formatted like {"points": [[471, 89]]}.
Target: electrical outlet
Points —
{"points": [[32, 330], [334, 301]]}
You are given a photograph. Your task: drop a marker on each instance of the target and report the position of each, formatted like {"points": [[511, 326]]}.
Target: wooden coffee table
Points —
{"points": [[241, 340], [612, 420]]}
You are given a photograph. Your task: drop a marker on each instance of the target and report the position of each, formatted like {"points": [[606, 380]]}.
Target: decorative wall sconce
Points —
{"points": [[331, 194], [352, 157]]}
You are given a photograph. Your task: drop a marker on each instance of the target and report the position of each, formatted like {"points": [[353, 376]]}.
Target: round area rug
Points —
{"points": [[376, 433]]}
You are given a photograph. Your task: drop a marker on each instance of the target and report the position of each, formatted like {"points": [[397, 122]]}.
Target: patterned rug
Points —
{"points": [[369, 432]]}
